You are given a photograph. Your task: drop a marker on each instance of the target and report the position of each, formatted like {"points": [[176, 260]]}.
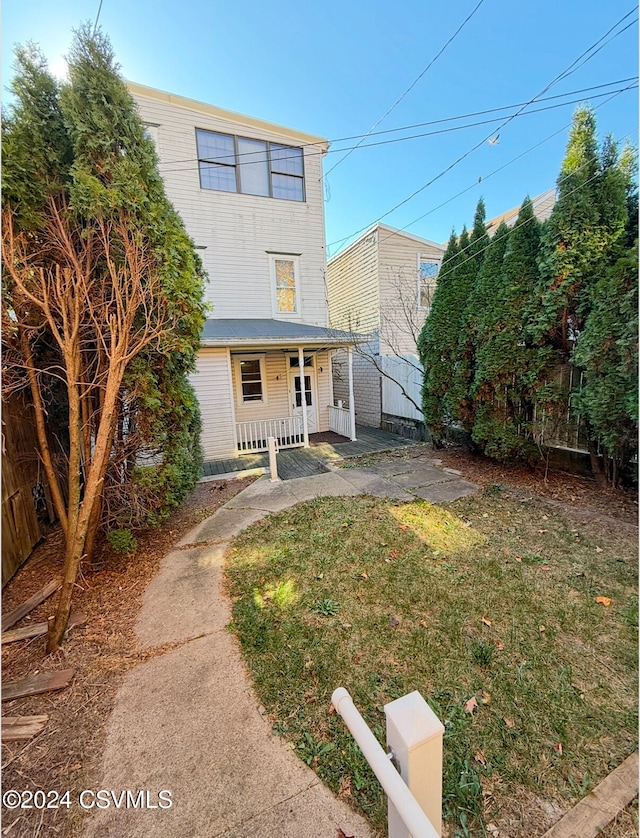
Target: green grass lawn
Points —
{"points": [[489, 597]]}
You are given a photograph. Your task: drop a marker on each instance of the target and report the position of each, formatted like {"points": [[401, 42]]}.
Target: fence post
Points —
{"points": [[414, 735], [273, 462]]}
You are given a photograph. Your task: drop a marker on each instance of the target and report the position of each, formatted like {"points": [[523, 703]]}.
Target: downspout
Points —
{"points": [[352, 406]]}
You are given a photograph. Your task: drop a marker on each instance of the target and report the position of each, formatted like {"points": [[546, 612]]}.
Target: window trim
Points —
{"points": [[296, 274], [236, 165], [423, 257], [240, 400]]}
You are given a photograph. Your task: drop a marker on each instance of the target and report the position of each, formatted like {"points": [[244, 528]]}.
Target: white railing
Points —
{"points": [[340, 420], [413, 782], [252, 437]]}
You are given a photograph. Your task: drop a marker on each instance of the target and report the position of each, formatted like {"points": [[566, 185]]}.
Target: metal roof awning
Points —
{"points": [[237, 333]]}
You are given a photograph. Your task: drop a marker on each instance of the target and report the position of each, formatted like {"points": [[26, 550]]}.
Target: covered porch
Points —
{"points": [[265, 378]]}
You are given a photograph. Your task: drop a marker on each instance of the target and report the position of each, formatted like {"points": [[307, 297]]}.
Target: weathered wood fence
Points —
{"points": [[24, 486]]}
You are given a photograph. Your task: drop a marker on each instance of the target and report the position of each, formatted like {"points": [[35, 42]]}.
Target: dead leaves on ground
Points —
{"points": [[471, 705]]}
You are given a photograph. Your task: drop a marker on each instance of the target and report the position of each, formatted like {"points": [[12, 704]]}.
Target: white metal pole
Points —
{"points": [[394, 786], [414, 735], [303, 398], [352, 405], [273, 459]]}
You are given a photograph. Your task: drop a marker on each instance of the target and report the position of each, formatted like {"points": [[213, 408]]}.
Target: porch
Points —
{"points": [[305, 462]]}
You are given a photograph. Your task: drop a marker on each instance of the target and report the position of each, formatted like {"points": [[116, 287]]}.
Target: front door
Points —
{"points": [[295, 393]]}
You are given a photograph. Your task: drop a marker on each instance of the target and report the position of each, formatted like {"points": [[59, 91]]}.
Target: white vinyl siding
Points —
{"points": [[236, 232], [353, 288], [212, 383], [280, 402], [400, 316]]}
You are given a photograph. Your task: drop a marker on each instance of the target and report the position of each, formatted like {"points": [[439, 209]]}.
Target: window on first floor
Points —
{"points": [[229, 163], [427, 273], [251, 379], [285, 285]]}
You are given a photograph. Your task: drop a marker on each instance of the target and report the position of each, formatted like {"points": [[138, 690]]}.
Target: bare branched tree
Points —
{"points": [[80, 305]]}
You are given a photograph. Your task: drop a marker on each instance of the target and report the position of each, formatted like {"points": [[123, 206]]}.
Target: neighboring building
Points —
{"points": [[382, 285], [542, 207], [250, 195]]}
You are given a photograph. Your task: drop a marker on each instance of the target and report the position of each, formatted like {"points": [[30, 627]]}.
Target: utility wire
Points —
{"points": [[95, 25], [575, 65], [260, 155], [499, 169], [411, 86], [488, 245], [419, 124]]}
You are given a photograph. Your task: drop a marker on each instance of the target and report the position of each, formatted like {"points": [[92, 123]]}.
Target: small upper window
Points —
{"points": [[427, 273], [254, 167], [284, 277]]}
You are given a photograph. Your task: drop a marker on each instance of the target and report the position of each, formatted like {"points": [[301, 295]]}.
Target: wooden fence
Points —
{"points": [[24, 487]]}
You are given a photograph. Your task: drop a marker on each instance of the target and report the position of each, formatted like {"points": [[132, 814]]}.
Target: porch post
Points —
{"points": [[352, 406], [303, 397]]}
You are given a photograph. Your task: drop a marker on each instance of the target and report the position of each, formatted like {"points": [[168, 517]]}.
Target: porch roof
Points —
{"points": [[265, 332]]}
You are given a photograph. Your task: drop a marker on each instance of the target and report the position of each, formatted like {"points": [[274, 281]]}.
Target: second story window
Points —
{"points": [[253, 167], [427, 273], [285, 285]]}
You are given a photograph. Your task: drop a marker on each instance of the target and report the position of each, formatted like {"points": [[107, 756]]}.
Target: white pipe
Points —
{"points": [[352, 400], [303, 397], [394, 786]]}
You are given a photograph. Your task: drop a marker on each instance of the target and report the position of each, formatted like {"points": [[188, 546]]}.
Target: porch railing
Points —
{"points": [[339, 420], [252, 437]]}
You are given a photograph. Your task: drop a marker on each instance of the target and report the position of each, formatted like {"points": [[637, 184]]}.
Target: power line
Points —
{"points": [[484, 112], [496, 171], [411, 86], [95, 25], [422, 124], [488, 245], [572, 68]]}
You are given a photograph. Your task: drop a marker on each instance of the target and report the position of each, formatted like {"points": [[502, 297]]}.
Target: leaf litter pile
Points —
{"points": [[66, 755], [515, 618]]}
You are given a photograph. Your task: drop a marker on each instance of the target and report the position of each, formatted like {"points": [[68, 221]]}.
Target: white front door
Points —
{"points": [[295, 395]]}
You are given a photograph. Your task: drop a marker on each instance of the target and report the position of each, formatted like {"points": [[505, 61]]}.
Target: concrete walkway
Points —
{"points": [[188, 722]]}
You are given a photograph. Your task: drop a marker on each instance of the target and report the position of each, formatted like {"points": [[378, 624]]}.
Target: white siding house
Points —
{"points": [[250, 195], [382, 285]]}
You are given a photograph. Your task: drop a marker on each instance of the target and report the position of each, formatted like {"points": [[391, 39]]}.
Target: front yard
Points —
{"points": [[516, 622]]}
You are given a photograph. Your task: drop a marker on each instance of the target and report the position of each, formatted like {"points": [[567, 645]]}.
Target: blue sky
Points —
{"points": [[334, 68]]}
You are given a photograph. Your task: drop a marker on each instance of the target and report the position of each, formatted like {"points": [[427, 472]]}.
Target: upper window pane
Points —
{"points": [[254, 172], [217, 148], [428, 268], [286, 160]]}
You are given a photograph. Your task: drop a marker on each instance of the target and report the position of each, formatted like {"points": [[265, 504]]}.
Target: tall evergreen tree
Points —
{"points": [[103, 300], [438, 340], [608, 352], [584, 237], [458, 400], [573, 243], [115, 171], [507, 368]]}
